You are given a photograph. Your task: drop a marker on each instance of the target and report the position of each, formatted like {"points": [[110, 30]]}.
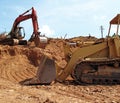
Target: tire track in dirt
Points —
{"points": [[88, 93], [1, 71], [9, 74], [75, 94], [13, 75], [96, 94], [4, 73], [25, 74], [15, 72], [17, 76], [107, 97], [31, 71], [28, 72]]}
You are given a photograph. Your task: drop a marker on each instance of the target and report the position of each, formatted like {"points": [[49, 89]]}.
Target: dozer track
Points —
{"points": [[98, 71]]}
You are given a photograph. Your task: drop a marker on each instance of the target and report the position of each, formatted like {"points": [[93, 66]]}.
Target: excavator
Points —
{"points": [[98, 63], [17, 33]]}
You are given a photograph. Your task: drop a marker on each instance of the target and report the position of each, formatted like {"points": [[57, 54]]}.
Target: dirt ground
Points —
{"points": [[18, 63]]}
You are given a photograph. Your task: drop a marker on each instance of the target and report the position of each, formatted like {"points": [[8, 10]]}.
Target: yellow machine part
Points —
{"points": [[49, 71], [108, 49]]}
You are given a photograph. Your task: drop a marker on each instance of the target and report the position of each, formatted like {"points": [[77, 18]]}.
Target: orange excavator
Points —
{"points": [[17, 33]]}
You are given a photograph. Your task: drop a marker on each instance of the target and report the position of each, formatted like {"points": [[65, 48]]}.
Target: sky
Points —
{"points": [[57, 18]]}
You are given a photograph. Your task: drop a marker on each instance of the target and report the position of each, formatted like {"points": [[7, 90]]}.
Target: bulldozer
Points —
{"points": [[98, 63]]}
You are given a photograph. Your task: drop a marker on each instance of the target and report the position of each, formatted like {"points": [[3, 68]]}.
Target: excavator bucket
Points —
{"points": [[46, 73]]}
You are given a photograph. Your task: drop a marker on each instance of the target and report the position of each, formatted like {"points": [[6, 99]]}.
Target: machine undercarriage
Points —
{"points": [[96, 71]]}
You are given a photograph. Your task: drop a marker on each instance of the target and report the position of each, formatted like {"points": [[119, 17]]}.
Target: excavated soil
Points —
{"points": [[18, 63]]}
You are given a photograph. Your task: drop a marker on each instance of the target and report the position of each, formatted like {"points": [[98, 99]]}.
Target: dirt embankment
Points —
{"points": [[21, 62]]}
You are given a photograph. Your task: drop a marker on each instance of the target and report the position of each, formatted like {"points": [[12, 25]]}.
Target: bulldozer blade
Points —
{"points": [[46, 73]]}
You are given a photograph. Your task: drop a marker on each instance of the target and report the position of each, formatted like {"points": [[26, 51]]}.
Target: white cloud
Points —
{"points": [[45, 29]]}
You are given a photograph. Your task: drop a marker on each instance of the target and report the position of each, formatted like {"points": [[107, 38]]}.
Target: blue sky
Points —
{"points": [[58, 17]]}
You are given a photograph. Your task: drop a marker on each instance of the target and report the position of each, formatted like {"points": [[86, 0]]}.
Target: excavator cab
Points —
{"points": [[15, 38], [20, 33]]}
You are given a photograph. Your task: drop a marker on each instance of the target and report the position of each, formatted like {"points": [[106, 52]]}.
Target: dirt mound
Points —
{"points": [[18, 63], [21, 62]]}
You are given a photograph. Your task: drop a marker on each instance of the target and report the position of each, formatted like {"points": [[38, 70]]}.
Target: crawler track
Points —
{"points": [[98, 71]]}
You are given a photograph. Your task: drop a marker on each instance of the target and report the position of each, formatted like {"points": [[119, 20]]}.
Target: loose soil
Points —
{"points": [[18, 63]]}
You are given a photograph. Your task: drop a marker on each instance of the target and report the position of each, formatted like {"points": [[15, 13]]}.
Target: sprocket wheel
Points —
{"points": [[80, 70]]}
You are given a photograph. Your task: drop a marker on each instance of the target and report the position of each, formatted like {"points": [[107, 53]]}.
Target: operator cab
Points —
{"points": [[20, 32], [114, 22]]}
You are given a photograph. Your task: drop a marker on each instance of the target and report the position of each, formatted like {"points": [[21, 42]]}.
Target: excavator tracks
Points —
{"points": [[97, 71]]}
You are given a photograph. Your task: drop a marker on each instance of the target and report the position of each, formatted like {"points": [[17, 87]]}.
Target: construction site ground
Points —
{"points": [[18, 63]]}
